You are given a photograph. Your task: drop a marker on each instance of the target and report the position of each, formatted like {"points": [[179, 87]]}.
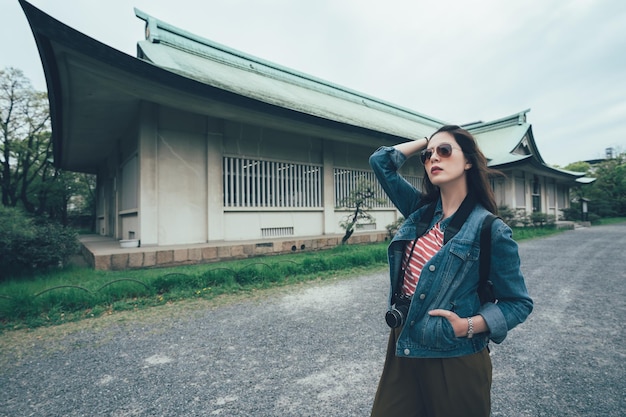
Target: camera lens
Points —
{"points": [[396, 316]]}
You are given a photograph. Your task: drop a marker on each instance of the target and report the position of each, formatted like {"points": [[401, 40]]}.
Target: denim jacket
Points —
{"points": [[449, 280]]}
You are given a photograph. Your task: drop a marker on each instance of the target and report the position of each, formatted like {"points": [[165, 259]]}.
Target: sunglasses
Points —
{"points": [[444, 151]]}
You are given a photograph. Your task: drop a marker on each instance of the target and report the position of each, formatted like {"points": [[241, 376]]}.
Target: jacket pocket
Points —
{"points": [[460, 271], [436, 333]]}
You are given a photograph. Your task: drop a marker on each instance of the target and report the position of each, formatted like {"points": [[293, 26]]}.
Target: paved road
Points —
{"points": [[317, 350]]}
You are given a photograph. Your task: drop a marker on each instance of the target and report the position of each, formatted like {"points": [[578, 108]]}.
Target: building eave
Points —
{"points": [[532, 165], [95, 92], [178, 48]]}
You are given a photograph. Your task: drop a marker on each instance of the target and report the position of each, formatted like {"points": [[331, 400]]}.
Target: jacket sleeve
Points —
{"points": [[513, 301], [386, 162]]}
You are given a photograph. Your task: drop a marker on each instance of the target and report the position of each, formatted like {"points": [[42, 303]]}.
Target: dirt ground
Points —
{"points": [[317, 349]]}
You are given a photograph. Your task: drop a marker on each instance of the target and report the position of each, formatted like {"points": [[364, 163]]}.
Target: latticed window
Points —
{"points": [[260, 183], [348, 181]]}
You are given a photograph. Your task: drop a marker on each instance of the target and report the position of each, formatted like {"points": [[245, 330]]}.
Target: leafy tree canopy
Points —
{"points": [[28, 177]]}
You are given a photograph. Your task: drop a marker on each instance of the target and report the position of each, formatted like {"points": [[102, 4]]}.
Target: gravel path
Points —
{"points": [[318, 349]]}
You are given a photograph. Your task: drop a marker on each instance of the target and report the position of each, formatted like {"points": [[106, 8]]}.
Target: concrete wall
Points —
{"points": [[179, 180], [164, 183], [181, 177], [249, 225], [257, 142]]}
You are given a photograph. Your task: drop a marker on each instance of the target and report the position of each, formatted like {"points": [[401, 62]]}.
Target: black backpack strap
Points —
{"points": [[458, 218], [485, 286]]}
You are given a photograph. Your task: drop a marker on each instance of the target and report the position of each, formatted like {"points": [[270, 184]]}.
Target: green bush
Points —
{"points": [[603, 208], [508, 215], [594, 218], [392, 228], [28, 244], [540, 219], [571, 213]]}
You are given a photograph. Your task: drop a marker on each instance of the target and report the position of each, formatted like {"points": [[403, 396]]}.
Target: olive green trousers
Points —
{"points": [[427, 387]]}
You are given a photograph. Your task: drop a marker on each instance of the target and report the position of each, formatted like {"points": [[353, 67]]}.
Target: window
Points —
{"points": [[562, 196], [347, 181], [536, 194], [256, 183], [260, 183]]}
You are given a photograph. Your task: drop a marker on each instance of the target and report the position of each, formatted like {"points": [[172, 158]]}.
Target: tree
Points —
{"points": [[25, 145], [28, 177], [580, 166], [607, 194], [80, 199], [360, 200]]}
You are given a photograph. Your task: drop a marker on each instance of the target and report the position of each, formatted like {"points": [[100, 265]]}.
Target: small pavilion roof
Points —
{"points": [[509, 142]]}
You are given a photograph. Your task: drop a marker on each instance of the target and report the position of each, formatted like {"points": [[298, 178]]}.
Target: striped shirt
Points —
{"points": [[425, 248]]}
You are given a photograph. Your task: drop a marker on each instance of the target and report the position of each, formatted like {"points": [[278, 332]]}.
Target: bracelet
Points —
{"points": [[470, 328]]}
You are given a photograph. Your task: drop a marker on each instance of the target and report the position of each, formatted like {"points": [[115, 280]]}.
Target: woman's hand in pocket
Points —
{"points": [[459, 325]]}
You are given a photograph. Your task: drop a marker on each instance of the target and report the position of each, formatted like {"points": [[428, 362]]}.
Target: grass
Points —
{"points": [[524, 233], [77, 293], [612, 220]]}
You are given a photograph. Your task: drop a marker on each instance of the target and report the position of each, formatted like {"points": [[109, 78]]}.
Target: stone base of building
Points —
{"points": [[104, 253]]}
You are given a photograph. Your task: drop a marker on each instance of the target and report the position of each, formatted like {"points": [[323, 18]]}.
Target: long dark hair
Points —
{"points": [[477, 176]]}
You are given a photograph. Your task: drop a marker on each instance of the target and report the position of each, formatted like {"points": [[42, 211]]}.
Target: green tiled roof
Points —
{"points": [[505, 141], [223, 67]]}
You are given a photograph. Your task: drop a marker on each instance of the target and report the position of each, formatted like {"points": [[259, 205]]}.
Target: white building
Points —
{"points": [[196, 145]]}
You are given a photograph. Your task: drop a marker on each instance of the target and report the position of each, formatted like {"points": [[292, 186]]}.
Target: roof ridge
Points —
{"points": [[158, 31], [512, 120]]}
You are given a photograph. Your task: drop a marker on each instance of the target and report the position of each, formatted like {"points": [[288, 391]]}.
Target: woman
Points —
{"points": [[437, 362]]}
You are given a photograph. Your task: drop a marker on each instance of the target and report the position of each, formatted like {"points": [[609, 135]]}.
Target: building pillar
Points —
{"points": [[148, 178], [328, 190], [215, 202]]}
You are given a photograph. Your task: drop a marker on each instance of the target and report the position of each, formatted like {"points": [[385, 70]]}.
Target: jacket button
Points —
{"points": [[422, 296], [407, 351], [432, 268]]}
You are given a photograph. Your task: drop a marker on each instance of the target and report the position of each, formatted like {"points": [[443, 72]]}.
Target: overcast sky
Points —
{"points": [[458, 61]]}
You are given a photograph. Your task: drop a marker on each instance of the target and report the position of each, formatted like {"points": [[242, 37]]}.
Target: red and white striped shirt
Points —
{"points": [[425, 248]]}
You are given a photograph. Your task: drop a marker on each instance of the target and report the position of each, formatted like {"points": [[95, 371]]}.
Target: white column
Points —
{"points": [[148, 181], [215, 203], [328, 184]]}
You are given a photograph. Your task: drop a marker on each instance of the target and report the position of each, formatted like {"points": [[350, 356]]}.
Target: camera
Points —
{"points": [[399, 310]]}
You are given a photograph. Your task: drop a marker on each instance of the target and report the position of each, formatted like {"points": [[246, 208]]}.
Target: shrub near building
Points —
{"points": [[29, 244]]}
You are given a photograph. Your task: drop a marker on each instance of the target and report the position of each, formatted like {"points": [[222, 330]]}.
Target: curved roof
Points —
{"points": [[96, 91], [220, 66], [509, 142]]}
